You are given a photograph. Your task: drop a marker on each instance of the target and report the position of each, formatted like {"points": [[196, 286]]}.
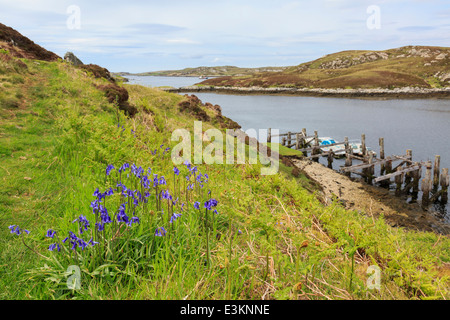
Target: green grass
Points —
{"points": [[271, 238]]}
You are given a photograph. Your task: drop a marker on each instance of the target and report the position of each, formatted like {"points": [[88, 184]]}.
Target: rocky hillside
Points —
{"points": [[411, 66], [210, 71], [22, 47]]}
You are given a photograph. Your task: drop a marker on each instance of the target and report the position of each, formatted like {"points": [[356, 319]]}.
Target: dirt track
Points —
{"points": [[373, 200]]}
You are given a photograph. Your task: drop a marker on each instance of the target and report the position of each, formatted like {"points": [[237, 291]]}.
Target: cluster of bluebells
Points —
{"points": [[166, 150], [77, 242], [130, 200], [15, 229]]}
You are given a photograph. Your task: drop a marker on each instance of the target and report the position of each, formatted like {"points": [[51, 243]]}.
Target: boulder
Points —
{"points": [[71, 58]]}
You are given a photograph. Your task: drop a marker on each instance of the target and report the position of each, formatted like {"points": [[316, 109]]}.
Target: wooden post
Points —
{"points": [[363, 145], [283, 141], [437, 161], [382, 168], [415, 187], [289, 139], [398, 181], [297, 140], [269, 135], [370, 170], [330, 159], [426, 185], [348, 156], [304, 142], [408, 175], [316, 146], [444, 185]]}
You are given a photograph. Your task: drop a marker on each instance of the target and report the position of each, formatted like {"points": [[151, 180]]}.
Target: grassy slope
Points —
{"points": [[61, 132], [401, 68]]}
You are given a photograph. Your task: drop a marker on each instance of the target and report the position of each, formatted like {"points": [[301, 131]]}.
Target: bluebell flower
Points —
{"points": [[92, 242], [54, 246], [105, 218], [108, 192], [75, 241], [100, 226], [162, 181], [50, 233], [124, 167], [134, 220], [176, 171], [108, 169], [97, 193], [16, 230], [83, 222], [187, 164], [121, 215], [197, 205], [211, 203], [160, 232], [174, 217]]}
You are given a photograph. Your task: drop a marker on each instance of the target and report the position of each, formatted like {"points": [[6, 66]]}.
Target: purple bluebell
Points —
{"points": [[50, 233], [124, 167], [160, 232], [84, 223], [197, 205], [54, 246], [174, 217], [211, 203], [134, 220], [92, 242], [187, 164], [176, 170], [108, 169], [16, 230]]}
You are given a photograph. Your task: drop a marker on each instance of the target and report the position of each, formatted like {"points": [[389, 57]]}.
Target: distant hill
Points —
{"points": [[210, 71], [417, 66], [21, 47]]}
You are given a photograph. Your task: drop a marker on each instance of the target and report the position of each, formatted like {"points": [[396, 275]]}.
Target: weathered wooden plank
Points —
{"points": [[399, 172], [368, 165]]}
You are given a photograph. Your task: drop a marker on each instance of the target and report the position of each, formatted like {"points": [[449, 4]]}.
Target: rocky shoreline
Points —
{"points": [[397, 93]]}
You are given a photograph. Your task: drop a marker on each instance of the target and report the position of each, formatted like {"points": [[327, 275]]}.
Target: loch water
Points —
{"points": [[422, 125]]}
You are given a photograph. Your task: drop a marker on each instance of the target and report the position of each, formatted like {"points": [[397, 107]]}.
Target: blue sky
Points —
{"points": [[138, 36]]}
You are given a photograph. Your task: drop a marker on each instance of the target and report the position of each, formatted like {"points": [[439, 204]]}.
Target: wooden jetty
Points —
{"points": [[406, 174]]}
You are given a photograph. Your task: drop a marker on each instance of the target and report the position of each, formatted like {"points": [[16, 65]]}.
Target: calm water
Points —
{"points": [[154, 81], [420, 125]]}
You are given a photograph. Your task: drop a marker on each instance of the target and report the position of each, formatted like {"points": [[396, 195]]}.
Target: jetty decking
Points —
{"points": [[406, 174]]}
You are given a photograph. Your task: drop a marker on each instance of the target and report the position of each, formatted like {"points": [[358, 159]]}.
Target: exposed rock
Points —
{"points": [[194, 106], [71, 58], [98, 72], [119, 96]]}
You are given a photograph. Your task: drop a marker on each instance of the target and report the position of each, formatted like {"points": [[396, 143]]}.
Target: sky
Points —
{"points": [[140, 36]]}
